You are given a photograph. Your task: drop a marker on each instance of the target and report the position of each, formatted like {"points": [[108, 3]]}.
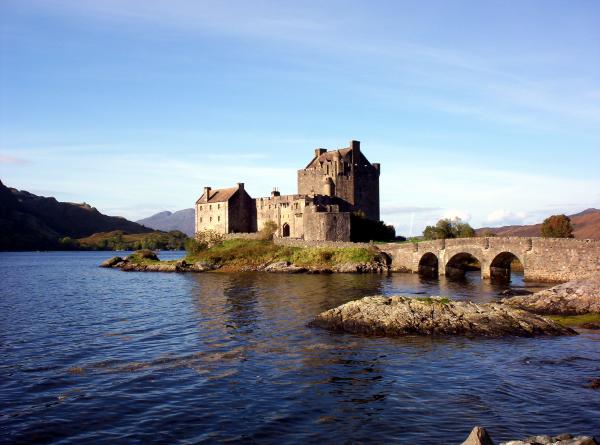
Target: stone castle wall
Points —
{"points": [[326, 226], [212, 216], [283, 210]]}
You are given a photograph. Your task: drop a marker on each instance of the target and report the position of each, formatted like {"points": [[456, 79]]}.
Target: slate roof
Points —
{"points": [[344, 154], [218, 195]]}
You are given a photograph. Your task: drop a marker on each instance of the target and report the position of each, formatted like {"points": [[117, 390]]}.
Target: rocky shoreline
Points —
{"points": [[479, 436], [575, 297], [401, 315], [135, 264]]}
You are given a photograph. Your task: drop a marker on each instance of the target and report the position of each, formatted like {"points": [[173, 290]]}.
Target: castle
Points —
{"points": [[332, 185]]}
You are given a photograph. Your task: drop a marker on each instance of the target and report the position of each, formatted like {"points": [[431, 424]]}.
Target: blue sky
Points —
{"points": [[485, 110]]}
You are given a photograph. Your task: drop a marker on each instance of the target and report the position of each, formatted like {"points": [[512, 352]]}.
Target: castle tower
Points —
{"points": [[344, 173]]}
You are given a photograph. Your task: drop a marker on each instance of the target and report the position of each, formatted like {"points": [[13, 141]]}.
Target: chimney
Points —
{"points": [[377, 166], [240, 185], [206, 193], [355, 146], [319, 152]]}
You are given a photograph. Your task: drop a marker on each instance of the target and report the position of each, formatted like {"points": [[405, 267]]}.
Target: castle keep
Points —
{"points": [[332, 185]]}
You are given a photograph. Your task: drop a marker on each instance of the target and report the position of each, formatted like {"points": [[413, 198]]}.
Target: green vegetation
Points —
{"points": [[557, 226], [576, 320], [120, 240], [448, 228], [143, 256], [241, 253], [202, 241], [363, 229], [268, 230]]}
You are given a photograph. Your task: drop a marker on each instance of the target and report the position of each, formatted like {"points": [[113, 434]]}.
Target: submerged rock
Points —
{"points": [[572, 298], [398, 315], [514, 292]]}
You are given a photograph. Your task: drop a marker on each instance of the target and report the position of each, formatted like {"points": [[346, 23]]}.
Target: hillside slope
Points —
{"points": [[182, 220], [28, 221], [586, 225]]}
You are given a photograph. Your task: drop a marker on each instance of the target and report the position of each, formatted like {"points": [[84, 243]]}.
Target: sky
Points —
{"points": [[488, 111]]}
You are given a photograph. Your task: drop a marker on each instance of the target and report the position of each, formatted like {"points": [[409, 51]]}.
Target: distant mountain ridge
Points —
{"points": [[586, 225], [28, 221], [182, 220]]}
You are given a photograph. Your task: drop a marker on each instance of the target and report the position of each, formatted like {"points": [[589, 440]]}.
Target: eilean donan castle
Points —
{"points": [[332, 185]]}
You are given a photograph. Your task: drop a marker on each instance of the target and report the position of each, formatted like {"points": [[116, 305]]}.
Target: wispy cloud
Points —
{"points": [[14, 160]]}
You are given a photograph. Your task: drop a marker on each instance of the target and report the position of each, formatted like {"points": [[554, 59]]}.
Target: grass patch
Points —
{"points": [[576, 320], [251, 253]]}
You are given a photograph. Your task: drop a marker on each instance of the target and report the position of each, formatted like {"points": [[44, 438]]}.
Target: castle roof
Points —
{"points": [[343, 153], [218, 195]]}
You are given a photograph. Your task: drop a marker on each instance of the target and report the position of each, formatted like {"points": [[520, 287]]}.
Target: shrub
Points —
{"points": [[557, 226], [203, 240], [268, 229]]}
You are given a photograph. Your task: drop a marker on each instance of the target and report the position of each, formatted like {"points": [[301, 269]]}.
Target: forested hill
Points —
{"points": [[31, 222]]}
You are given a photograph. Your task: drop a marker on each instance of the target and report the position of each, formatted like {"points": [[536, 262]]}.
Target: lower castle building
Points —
{"points": [[332, 185]]}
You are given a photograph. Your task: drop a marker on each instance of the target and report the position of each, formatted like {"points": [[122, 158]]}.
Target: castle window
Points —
{"points": [[200, 219], [210, 207], [211, 219], [218, 218], [218, 206]]}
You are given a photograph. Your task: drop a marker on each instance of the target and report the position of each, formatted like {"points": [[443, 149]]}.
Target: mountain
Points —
{"points": [[586, 225], [28, 221], [182, 220]]}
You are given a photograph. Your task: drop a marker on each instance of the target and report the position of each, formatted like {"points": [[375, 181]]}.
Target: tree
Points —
{"points": [[557, 226], [449, 228], [363, 229]]}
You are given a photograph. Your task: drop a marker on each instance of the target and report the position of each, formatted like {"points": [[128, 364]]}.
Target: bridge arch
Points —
{"points": [[502, 265], [429, 265], [460, 263]]}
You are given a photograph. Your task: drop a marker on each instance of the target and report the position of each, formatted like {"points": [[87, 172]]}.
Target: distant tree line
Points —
{"points": [[119, 240]]}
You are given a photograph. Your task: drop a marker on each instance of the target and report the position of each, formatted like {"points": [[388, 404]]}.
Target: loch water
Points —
{"points": [[91, 355]]}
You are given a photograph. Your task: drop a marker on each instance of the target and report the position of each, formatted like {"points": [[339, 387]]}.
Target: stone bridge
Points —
{"points": [[543, 259]]}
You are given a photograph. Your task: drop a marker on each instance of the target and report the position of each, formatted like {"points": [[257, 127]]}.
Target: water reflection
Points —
{"points": [[228, 357]]}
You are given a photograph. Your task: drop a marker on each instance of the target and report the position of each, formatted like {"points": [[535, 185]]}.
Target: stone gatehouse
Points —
{"points": [[332, 185]]}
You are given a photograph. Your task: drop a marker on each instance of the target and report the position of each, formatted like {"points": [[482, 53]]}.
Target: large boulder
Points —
{"points": [[111, 262], [571, 298], [399, 315]]}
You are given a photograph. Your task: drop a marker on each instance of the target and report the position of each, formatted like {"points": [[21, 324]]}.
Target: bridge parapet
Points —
{"points": [[543, 259]]}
